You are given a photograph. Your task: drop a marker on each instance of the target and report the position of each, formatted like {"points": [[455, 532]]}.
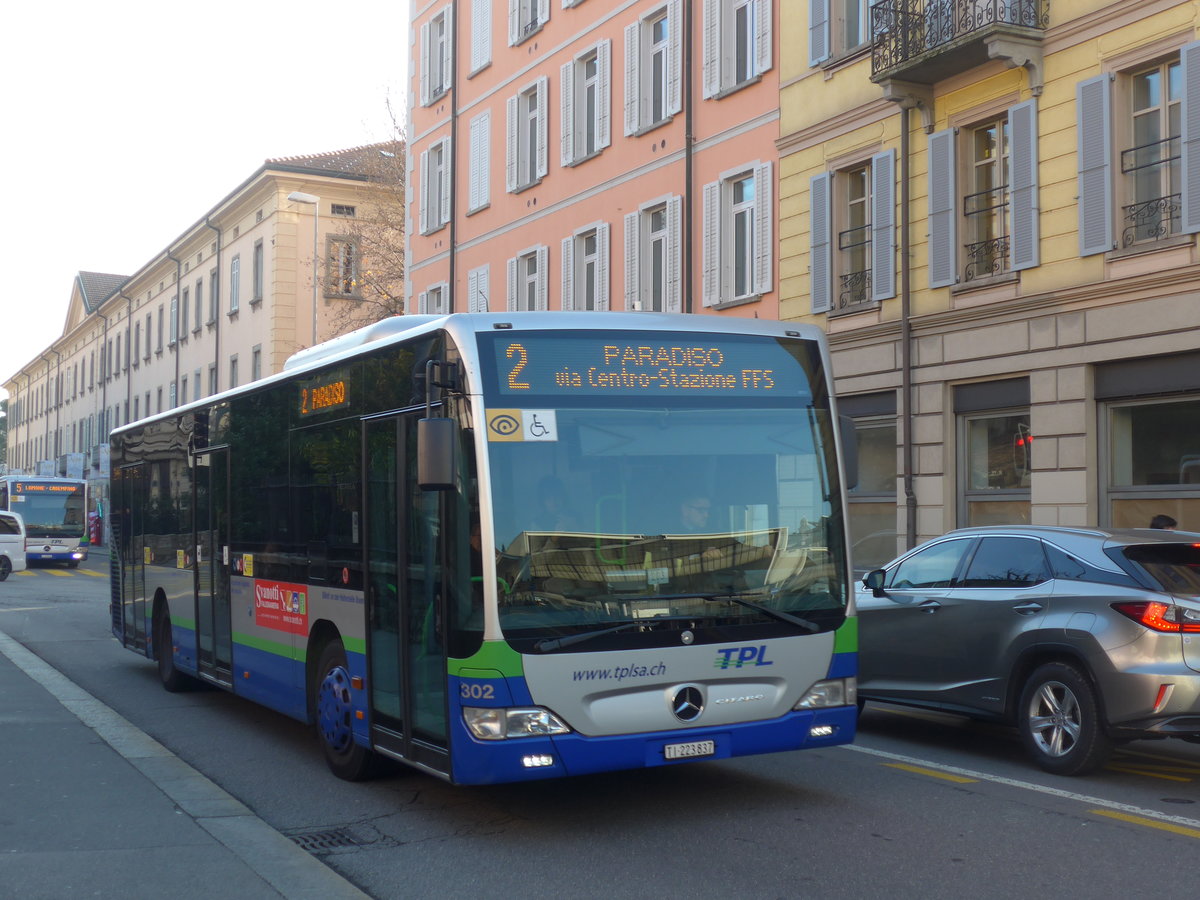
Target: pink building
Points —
{"points": [[594, 154]]}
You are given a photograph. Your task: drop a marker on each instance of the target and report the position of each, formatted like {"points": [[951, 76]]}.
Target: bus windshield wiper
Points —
{"points": [[554, 643], [766, 610]]}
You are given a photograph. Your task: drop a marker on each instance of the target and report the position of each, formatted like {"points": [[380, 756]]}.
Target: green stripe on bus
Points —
{"points": [[279, 649], [492, 655], [845, 639], [183, 623]]}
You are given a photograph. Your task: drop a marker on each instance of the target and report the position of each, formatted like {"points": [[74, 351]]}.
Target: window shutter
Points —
{"points": [[567, 261], [567, 108], [448, 57], [883, 226], [425, 33], [820, 269], [477, 290], [514, 22], [481, 34], [423, 213], [1190, 137], [764, 217], [818, 31], [1093, 103], [763, 37], [423, 302], [1023, 164], [710, 283], [674, 298], [943, 222], [633, 247], [543, 11], [511, 162], [472, 289], [604, 123], [447, 162], [543, 278], [602, 264], [474, 166], [633, 90], [675, 56], [485, 280], [712, 49], [512, 285], [543, 94], [485, 158]]}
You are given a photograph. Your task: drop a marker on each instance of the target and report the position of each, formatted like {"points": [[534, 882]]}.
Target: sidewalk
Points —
{"points": [[92, 806]]}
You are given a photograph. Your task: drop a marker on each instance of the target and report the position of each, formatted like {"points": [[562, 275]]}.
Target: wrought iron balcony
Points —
{"points": [[924, 41], [985, 215]]}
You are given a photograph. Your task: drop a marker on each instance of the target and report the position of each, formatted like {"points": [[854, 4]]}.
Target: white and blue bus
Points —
{"points": [[501, 547], [55, 514]]}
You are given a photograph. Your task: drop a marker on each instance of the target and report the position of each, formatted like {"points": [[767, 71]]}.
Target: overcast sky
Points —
{"points": [[123, 123]]}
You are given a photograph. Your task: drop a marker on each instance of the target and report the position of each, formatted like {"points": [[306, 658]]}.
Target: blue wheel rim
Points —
{"points": [[334, 710]]}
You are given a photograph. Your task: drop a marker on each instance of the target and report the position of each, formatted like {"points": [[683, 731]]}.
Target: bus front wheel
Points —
{"points": [[347, 759]]}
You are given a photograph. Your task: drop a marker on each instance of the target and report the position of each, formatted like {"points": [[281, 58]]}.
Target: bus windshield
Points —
{"points": [[56, 512], [702, 513]]}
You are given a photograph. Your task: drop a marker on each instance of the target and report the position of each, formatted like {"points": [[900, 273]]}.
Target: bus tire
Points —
{"points": [[172, 679], [346, 758]]}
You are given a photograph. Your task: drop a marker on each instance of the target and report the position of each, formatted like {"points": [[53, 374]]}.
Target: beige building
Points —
{"points": [[991, 207], [224, 303]]}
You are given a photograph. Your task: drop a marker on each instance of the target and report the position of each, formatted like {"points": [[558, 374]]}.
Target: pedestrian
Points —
{"points": [[1166, 523]]}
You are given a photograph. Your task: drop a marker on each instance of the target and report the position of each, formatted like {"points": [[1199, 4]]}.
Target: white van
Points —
{"points": [[12, 544]]}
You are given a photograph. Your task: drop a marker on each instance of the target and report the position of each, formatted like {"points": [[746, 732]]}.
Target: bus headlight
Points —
{"points": [[835, 692], [499, 724]]}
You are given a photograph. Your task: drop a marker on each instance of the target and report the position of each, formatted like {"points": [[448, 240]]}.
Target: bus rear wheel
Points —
{"points": [[347, 759], [172, 679]]}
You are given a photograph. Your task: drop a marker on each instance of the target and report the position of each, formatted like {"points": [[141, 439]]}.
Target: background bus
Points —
{"points": [[461, 542], [55, 514]]}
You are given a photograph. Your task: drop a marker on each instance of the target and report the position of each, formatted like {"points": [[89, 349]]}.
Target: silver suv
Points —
{"points": [[1082, 638]]}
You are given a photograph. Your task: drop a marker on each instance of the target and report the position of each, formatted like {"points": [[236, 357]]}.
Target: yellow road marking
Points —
{"points": [[1149, 773], [91, 573], [1149, 823], [58, 572], [932, 773]]}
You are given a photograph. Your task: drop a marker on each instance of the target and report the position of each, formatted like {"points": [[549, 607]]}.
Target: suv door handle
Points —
{"points": [[929, 606], [1028, 608]]}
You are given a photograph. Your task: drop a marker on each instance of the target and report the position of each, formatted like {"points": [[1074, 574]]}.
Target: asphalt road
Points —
{"points": [[922, 806]]}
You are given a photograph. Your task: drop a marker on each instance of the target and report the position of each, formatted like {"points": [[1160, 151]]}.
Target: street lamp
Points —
{"points": [[301, 197]]}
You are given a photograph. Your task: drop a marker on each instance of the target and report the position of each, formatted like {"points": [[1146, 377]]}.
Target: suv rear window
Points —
{"points": [[8, 525], [1174, 568]]}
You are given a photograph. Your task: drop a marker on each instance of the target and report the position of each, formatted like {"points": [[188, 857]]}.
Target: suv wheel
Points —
{"points": [[1059, 720]]}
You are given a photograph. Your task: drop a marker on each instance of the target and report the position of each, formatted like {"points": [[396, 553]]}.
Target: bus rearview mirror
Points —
{"points": [[435, 453]]}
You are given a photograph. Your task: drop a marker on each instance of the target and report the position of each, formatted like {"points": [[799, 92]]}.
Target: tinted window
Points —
{"points": [[1066, 567], [1006, 562], [933, 567], [8, 525], [1171, 567]]}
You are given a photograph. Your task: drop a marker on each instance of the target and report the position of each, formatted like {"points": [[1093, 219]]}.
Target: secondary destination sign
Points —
{"points": [[646, 364], [320, 395]]}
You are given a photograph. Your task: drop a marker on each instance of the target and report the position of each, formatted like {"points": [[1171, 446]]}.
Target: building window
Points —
{"points": [[172, 396], [838, 28], [586, 101], [737, 44], [1154, 461], [526, 152], [199, 305], [148, 327], [174, 324], [983, 211], [652, 257], [214, 295], [137, 343], [738, 247], [526, 18], [212, 379], [184, 313], [343, 268], [436, 57], [256, 362], [235, 284], [653, 58], [585, 269], [435, 186], [259, 272], [478, 289], [183, 392], [479, 175], [481, 34], [527, 277], [341, 209], [995, 460], [434, 301], [1151, 165], [196, 385], [233, 371]]}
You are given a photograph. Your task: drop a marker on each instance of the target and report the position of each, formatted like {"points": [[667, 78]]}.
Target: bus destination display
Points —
{"points": [[34, 487], [324, 394], [636, 364]]}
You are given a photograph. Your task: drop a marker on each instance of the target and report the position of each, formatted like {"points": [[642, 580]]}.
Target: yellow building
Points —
{"points": [[991, 207]]}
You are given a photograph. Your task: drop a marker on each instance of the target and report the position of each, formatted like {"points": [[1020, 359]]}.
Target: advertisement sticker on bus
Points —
{"points": [[281, 606]]}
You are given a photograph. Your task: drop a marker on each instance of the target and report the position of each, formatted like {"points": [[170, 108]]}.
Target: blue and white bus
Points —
{"points": [[501, 547], [55, 514]]}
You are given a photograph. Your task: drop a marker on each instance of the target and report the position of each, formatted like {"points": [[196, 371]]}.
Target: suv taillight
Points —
{"points": [[1163, 617]]}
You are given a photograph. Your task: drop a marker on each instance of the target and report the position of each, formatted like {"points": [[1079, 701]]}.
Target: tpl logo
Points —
{"points": [[741, 657]]}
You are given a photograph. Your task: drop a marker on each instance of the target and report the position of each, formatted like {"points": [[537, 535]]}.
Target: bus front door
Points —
{"points": [[214, 643], [132, 551], [407, 652]]}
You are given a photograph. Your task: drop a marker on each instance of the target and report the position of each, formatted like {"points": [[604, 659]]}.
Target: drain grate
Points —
{"points": [[327, 841]]}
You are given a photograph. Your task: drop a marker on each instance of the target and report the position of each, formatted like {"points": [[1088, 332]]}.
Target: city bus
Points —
{"points": [[55, 514], [464, 543]]}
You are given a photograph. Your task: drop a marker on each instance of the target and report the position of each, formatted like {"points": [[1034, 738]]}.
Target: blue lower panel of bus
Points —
{"points": [[527, 759]]}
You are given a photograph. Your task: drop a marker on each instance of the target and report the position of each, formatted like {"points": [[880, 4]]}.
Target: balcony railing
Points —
{"points": [[854, 288], [908, 30], [1151, 220], [1150, 167], [986, 216]]}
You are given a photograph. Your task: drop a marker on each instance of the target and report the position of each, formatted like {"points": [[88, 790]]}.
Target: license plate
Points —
{"points": [[691, 749]]}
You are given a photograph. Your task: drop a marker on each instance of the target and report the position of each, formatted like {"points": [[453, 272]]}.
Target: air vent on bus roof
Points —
{"points": [[365, 335]]}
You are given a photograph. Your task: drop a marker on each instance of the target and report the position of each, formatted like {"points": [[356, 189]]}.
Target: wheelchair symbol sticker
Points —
{"points": [[522, 425], [540, 425]]}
